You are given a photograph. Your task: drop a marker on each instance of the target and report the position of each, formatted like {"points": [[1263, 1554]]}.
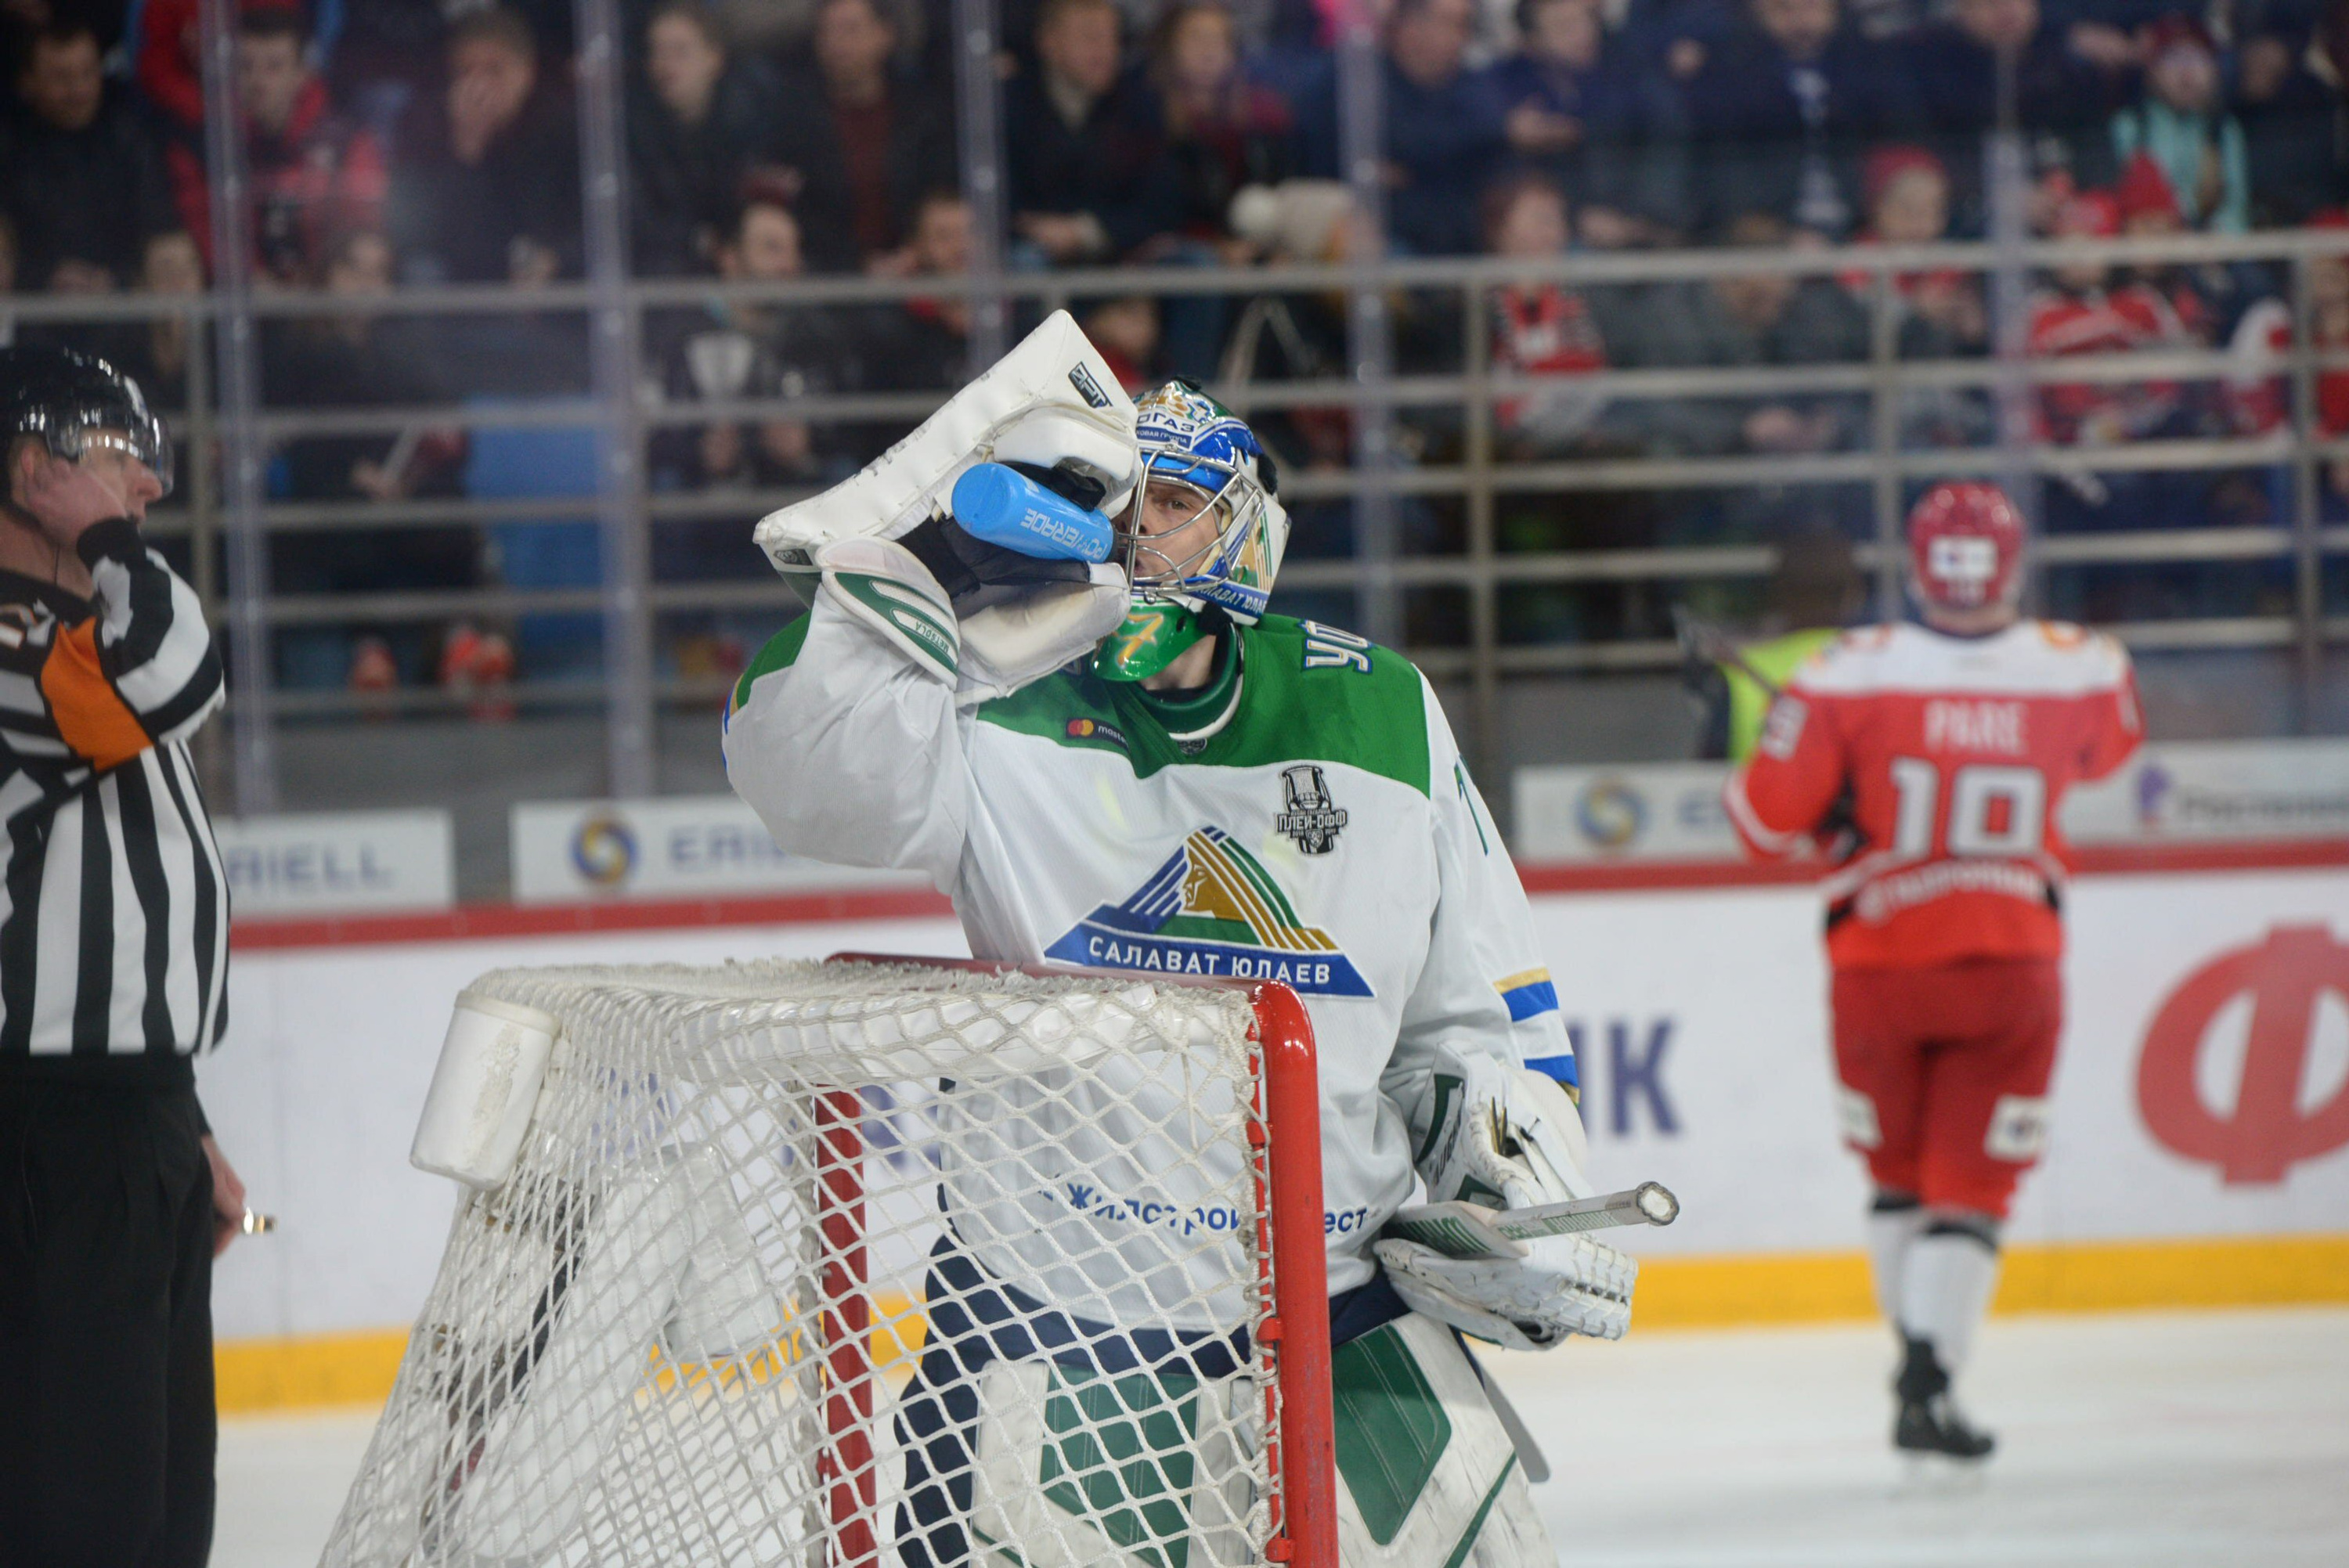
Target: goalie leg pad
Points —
{"points": [[1426, 1471], [881, 585]]}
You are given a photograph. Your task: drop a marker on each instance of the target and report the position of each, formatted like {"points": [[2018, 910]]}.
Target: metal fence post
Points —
{"points": [[250, 670], [978, 105], [1370, 338], [613, 355], [2307, 544]]}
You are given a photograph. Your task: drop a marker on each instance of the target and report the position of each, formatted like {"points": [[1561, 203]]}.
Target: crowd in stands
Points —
{"points": [[437, 141]]}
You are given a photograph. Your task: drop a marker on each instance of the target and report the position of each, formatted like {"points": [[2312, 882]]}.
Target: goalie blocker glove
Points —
{"points": [[1509, 1139], [880, 583]]}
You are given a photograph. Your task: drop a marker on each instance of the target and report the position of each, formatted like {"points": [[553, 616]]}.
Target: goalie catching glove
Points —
{"points": [[1509, 1139], [985, 615]]}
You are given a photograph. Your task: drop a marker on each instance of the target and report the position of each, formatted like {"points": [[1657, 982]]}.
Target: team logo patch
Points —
{"points": [[1312, 818], [1213, 909]]}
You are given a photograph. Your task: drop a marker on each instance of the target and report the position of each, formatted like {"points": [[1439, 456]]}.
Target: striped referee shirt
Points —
{"points": [[113, 905]]}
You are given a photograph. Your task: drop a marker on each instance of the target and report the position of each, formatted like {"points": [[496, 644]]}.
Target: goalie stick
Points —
{"points": [[1460, 1229]]}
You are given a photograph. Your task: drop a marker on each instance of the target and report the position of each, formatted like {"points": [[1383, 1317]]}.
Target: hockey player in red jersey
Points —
{"points": [[1927, 762]]}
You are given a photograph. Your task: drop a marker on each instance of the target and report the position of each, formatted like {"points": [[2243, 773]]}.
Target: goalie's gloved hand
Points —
{"points": [[1501, 1136], [976, 573], [1509, 1137], [1564, 1285]]}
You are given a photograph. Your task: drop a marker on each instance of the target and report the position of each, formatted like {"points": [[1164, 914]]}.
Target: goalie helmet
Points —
{"points": [[1965, 547], [1188, 437], [77, 403]]}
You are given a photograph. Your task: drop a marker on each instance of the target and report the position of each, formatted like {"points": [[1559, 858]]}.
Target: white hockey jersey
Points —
{"points": [[1315, 826]]}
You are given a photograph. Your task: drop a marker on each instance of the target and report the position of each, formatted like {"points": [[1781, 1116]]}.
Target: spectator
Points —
{"points": [[1577, 111], [924, 344], [312, 172], [2260, 403], [2083, 309], [1223, 132], [156, 357], [356, 359], [697, 123], [1783, 113], [1906, 192], [1753, 318], [2180, 125], [864, 140], [491, 192], [755, 351], [2063, 100], [1125, 330], [80, 176], [1540, 327], [1446, 131], [1090, 177], [2295, 122], [169, 71]]}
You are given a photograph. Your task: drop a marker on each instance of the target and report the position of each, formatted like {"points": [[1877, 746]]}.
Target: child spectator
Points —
{"points": [[1223, 132], [1090, 178], [2183, 126], [490, 193], [2260, 403], [862, 139], [1540, 328], [81, 175], [1906, 189], [2083, 311], [697, 123]]}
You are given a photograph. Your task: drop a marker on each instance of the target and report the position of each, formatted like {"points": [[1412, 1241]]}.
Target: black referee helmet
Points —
{"points": [[77, 402]]}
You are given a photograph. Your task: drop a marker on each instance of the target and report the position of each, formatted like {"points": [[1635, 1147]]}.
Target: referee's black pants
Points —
{"points": [[107, 1424]]}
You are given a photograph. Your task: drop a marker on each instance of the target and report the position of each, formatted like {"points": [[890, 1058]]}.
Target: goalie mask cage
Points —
{"points": [[878, 1265]]}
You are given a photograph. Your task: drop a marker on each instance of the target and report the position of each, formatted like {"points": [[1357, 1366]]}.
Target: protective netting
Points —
{"points": [[830, 1265]]}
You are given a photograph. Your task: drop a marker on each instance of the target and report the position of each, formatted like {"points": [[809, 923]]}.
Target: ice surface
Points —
{"points": [[2148, 1441]]}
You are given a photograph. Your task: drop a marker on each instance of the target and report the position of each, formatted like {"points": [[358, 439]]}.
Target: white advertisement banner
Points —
{"points": [[2178, 792], [2202, 1089], [567, 851], [338, 862]]}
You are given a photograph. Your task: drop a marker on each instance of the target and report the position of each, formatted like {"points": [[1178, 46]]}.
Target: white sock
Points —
{"points": [[1945, 1289], [1892, 1225]]}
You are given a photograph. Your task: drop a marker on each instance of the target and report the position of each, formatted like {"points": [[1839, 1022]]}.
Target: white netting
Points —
{"points": [[831, 1265]]}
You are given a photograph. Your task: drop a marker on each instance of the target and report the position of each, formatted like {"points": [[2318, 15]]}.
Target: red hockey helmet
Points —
{"points": [[1966, 546]]}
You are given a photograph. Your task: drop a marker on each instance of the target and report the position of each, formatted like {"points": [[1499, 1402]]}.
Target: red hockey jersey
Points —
{"points": [[1947, 757]]}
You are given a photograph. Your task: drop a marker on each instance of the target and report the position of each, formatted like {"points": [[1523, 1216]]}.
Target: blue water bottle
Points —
{"points": [[1005, 506]]}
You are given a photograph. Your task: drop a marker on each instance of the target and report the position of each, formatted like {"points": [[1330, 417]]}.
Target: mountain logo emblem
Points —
{"points": [[1213, 909]]}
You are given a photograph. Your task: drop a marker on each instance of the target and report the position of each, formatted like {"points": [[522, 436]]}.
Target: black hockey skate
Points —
{"points": [[1928, 1421]]}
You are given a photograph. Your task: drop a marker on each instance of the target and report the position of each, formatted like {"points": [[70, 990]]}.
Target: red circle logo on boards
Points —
{"points": [[2269, 1130]]}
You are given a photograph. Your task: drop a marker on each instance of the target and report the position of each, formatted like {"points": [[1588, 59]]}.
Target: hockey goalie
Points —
{"points": [[1038, 666]]}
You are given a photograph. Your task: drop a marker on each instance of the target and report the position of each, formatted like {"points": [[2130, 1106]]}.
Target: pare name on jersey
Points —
{"points": [[1978, 726]]}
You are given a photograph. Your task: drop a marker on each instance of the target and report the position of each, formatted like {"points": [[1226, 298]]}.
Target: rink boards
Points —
{"points": [[2198, 1151]]}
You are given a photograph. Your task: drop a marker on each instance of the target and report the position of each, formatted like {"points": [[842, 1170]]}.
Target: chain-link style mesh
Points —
{"points": [[847, 1264]]}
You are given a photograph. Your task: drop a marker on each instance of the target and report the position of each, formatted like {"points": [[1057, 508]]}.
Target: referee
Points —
{"points": [[113, 966]]}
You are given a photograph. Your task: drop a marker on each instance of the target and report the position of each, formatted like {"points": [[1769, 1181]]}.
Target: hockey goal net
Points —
{"points": [[867, 1265]]}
